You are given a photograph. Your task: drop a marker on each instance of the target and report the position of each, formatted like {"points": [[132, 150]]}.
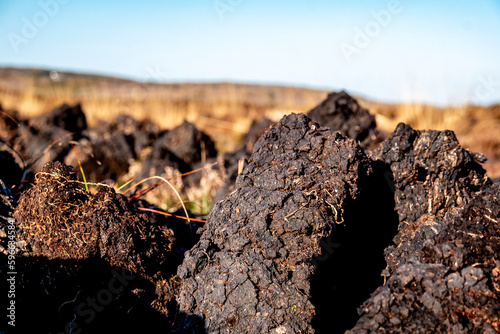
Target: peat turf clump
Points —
{"points": [[91, 259], [59, 219], [341, 112], [46, 137], [430, 174], [470, 244], [68, 117], [456, 289], [103, 155], [47, 215], [138, 134], [43, 138], [9, 122], [180, 150], [188, 144], [107, 151], [252, 269]]}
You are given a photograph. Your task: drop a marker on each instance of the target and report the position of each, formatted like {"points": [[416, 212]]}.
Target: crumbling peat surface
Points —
{"points": [[123, 147], [430, 174], [180, 148], [189, 144], [46, 137], [341, 112], [90, 262], [107, 150], [457, 287], [278, 255], [68, 117], [58, 218], [296, 244]]}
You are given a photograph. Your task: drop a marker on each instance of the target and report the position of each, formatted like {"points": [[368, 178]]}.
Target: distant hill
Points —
{"points": [[43, 85], [225, 110]]}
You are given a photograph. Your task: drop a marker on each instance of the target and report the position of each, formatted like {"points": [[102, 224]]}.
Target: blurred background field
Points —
{"points": [[225, 110]]}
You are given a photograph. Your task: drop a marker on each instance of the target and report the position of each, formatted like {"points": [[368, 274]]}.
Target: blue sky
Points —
{"points": [[444, 52]]}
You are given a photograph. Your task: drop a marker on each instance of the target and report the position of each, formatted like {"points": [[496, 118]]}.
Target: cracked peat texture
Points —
{"points": [[57, 218], [430, 174], [456, 289], [251, 270]]}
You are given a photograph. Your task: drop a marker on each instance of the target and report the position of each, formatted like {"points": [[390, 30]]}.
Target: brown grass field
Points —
{"points": [[225, 110]]}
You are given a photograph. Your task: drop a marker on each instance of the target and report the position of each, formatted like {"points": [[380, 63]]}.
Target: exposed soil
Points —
{"points": [[58, 218], [340, 112], [72, 244], [69, 118], [108, 150], [325, 230], [456, 289], [253, 268], [430, 174], [188, 144]]}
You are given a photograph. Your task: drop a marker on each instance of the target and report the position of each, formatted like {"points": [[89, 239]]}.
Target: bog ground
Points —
{"points": [[320, 221]]}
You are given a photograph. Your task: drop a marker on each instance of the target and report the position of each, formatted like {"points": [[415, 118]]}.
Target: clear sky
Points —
{"points": [[442, 52]]}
